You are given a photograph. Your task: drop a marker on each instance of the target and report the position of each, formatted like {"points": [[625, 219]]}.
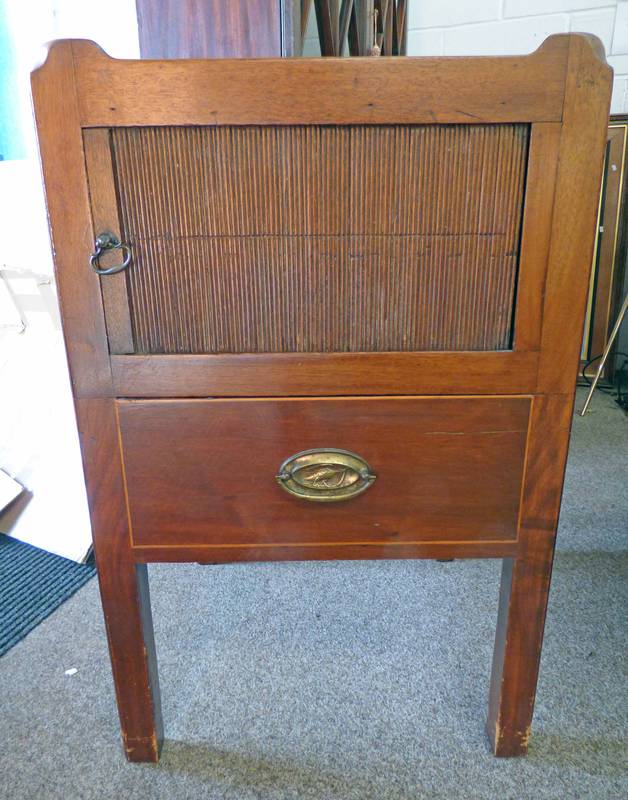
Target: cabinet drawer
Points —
{"points": [[204, 471]]}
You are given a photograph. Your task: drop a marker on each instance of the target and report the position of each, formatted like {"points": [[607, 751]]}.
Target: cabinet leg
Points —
{"points": [[521, 618], [128, 619], [123, 583]]}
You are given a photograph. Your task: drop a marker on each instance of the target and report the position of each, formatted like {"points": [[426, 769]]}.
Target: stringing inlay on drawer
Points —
{"points": [[204, 471]]}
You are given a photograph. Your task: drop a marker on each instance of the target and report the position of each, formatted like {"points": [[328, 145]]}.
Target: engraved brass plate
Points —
{"points": [[325, 475]]}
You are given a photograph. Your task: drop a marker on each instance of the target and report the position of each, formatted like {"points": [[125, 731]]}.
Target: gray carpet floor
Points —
{"points": [[343, 680]]}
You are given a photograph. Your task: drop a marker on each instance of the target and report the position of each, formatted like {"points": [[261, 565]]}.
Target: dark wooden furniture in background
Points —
{"points": [[219, 28], [606, 291], [385, 256]]}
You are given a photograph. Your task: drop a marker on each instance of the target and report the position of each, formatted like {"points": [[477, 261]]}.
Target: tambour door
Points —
{"points": [[312, 239], [337, 245]]}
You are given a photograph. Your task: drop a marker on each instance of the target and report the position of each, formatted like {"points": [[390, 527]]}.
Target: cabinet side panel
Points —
{"points": [[63, 167]]}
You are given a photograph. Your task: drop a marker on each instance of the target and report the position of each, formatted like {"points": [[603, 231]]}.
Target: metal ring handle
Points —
{"points": [[105, 243]]}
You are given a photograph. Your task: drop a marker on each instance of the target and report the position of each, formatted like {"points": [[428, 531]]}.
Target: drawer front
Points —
{"points": [[204, 471]]}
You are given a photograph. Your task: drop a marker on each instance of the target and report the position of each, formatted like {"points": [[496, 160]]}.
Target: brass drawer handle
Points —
{"points": [[325, 475], [105, 242]]}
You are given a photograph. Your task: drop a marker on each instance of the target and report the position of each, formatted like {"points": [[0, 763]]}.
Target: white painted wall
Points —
{"points": [[501, 27], [33, 23], [38, 437]]}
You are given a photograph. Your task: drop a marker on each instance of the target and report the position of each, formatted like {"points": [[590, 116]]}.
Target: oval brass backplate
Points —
{"points": [[325, 475]]}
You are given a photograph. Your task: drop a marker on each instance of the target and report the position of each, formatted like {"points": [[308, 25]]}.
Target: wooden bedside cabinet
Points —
{"points": [[323, 309]]}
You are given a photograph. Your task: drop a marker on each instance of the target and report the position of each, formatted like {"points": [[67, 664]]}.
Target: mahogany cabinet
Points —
{"points": [[323, 309]]}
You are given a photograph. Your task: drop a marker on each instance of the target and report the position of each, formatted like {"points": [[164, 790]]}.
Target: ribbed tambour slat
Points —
{"points": [[321, 239]]}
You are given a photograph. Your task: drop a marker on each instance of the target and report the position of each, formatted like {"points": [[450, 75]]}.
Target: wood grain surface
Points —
{"points": [[526, 578], [448, 469], [582, 147], [67, 199], [329, 91], [278, 374], [123, 584]]}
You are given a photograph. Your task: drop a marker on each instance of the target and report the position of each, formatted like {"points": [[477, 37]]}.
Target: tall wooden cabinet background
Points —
{"points": [[219, 28]]}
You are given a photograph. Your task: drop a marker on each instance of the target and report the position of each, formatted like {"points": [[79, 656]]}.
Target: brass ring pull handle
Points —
{"points": [[105, 243], [325, 476]]}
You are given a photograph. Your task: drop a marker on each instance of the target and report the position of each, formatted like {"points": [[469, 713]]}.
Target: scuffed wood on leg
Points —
{"points": [[522, 607], [526, 580], [126, 606], [123, 584]]}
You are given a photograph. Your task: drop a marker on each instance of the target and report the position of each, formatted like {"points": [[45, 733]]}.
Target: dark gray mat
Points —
{"points": [[33, 584]]}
